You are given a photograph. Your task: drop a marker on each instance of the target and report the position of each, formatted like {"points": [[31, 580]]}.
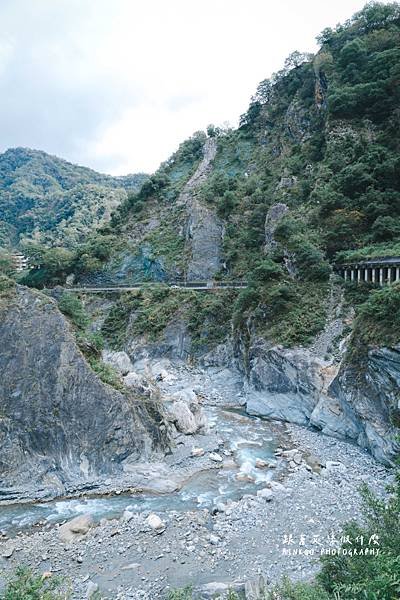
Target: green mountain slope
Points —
{"points": [[312, 172], [53, 201]]}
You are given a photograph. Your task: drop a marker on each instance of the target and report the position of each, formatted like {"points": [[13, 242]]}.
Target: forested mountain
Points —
{"points": [[312, 174], [53, 201]]}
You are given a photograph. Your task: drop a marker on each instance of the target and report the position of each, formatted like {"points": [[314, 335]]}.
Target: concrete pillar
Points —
{"points": [[345, 274], [359, 274], [366, 274], [373, 273], [352, 274], [397, 274], [381, 276]]}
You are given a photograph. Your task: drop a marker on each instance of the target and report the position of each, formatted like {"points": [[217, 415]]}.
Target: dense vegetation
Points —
{"points": [[321, 137], [150, 310], [48, 199]]}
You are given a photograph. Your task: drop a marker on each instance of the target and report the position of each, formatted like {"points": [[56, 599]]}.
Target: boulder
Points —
{"points": [[8, 551], [218, 589], [75, 529], [140, 384], [183, 409], [215, 457], [197, 452], [156, 523], [265, 493], [120, 361]]}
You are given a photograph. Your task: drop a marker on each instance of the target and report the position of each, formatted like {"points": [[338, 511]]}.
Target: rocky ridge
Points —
{"points": [[58, 420]]}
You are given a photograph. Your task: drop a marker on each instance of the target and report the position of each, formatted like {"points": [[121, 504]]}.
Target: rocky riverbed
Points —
{"points": [[243, 498]]}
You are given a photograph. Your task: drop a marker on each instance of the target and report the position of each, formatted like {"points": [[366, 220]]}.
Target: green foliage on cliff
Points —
{"points": [[166, 183], [91, 343], [378, 320], [149, 311], [321, 137], [52, 200], [71, 306]]}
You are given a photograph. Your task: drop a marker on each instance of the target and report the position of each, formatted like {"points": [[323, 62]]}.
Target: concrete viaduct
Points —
{"points": [[381, 271]]}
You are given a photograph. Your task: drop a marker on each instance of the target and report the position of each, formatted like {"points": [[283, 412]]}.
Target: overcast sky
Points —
{"points": [[117, 84]]}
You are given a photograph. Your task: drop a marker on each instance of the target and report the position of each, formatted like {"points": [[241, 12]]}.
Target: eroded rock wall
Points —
{"points": [[59, 424]]}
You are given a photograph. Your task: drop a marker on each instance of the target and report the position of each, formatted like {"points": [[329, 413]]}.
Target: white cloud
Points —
{"points": [[117, 85]]}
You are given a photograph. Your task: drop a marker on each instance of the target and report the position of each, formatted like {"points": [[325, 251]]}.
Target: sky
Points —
{"points": [[116, 85]]}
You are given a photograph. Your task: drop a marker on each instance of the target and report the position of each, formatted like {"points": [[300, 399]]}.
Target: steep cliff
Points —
{"points": [[58, 422]]}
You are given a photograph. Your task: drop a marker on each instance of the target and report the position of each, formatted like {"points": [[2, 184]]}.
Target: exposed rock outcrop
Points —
{"points": [[363, 403], [272, 220], [282, 383], [351, 403], [58, 421], [204, 231]]}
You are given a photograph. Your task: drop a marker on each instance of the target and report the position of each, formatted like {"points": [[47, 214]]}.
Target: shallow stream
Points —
{"points": [[245, 439]]}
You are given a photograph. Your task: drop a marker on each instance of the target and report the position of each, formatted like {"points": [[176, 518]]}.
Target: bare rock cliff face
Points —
{"points": [[204, 231], [60, 426], [363, 404], [358, 405]]}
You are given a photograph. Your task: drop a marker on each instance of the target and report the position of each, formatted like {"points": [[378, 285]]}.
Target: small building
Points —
{"points": [[20, 261]]}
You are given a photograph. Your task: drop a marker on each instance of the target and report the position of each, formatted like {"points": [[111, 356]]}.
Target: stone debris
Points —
{"points": [[215, 457], [197, 452], [156, 523], [240, 541], [76, 528]]}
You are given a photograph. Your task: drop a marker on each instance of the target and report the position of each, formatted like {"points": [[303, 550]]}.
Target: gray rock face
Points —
{"points": [[204, 231], [58, 422], [120, 361], [368, 400], [272, 219], [175, 343], [282, 384], [358, 404], [297, 122]]}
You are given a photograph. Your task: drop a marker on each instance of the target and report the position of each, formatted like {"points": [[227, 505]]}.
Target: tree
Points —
{"points": [[296, 58], [6, 264]]}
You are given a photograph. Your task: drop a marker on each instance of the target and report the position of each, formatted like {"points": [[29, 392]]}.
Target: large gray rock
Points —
{"points": [[59, 422], [365, 403], [272, 219], [120, 361], [204, 235], [76, 528], [282, 384], [185, 412], [359, 403]]}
